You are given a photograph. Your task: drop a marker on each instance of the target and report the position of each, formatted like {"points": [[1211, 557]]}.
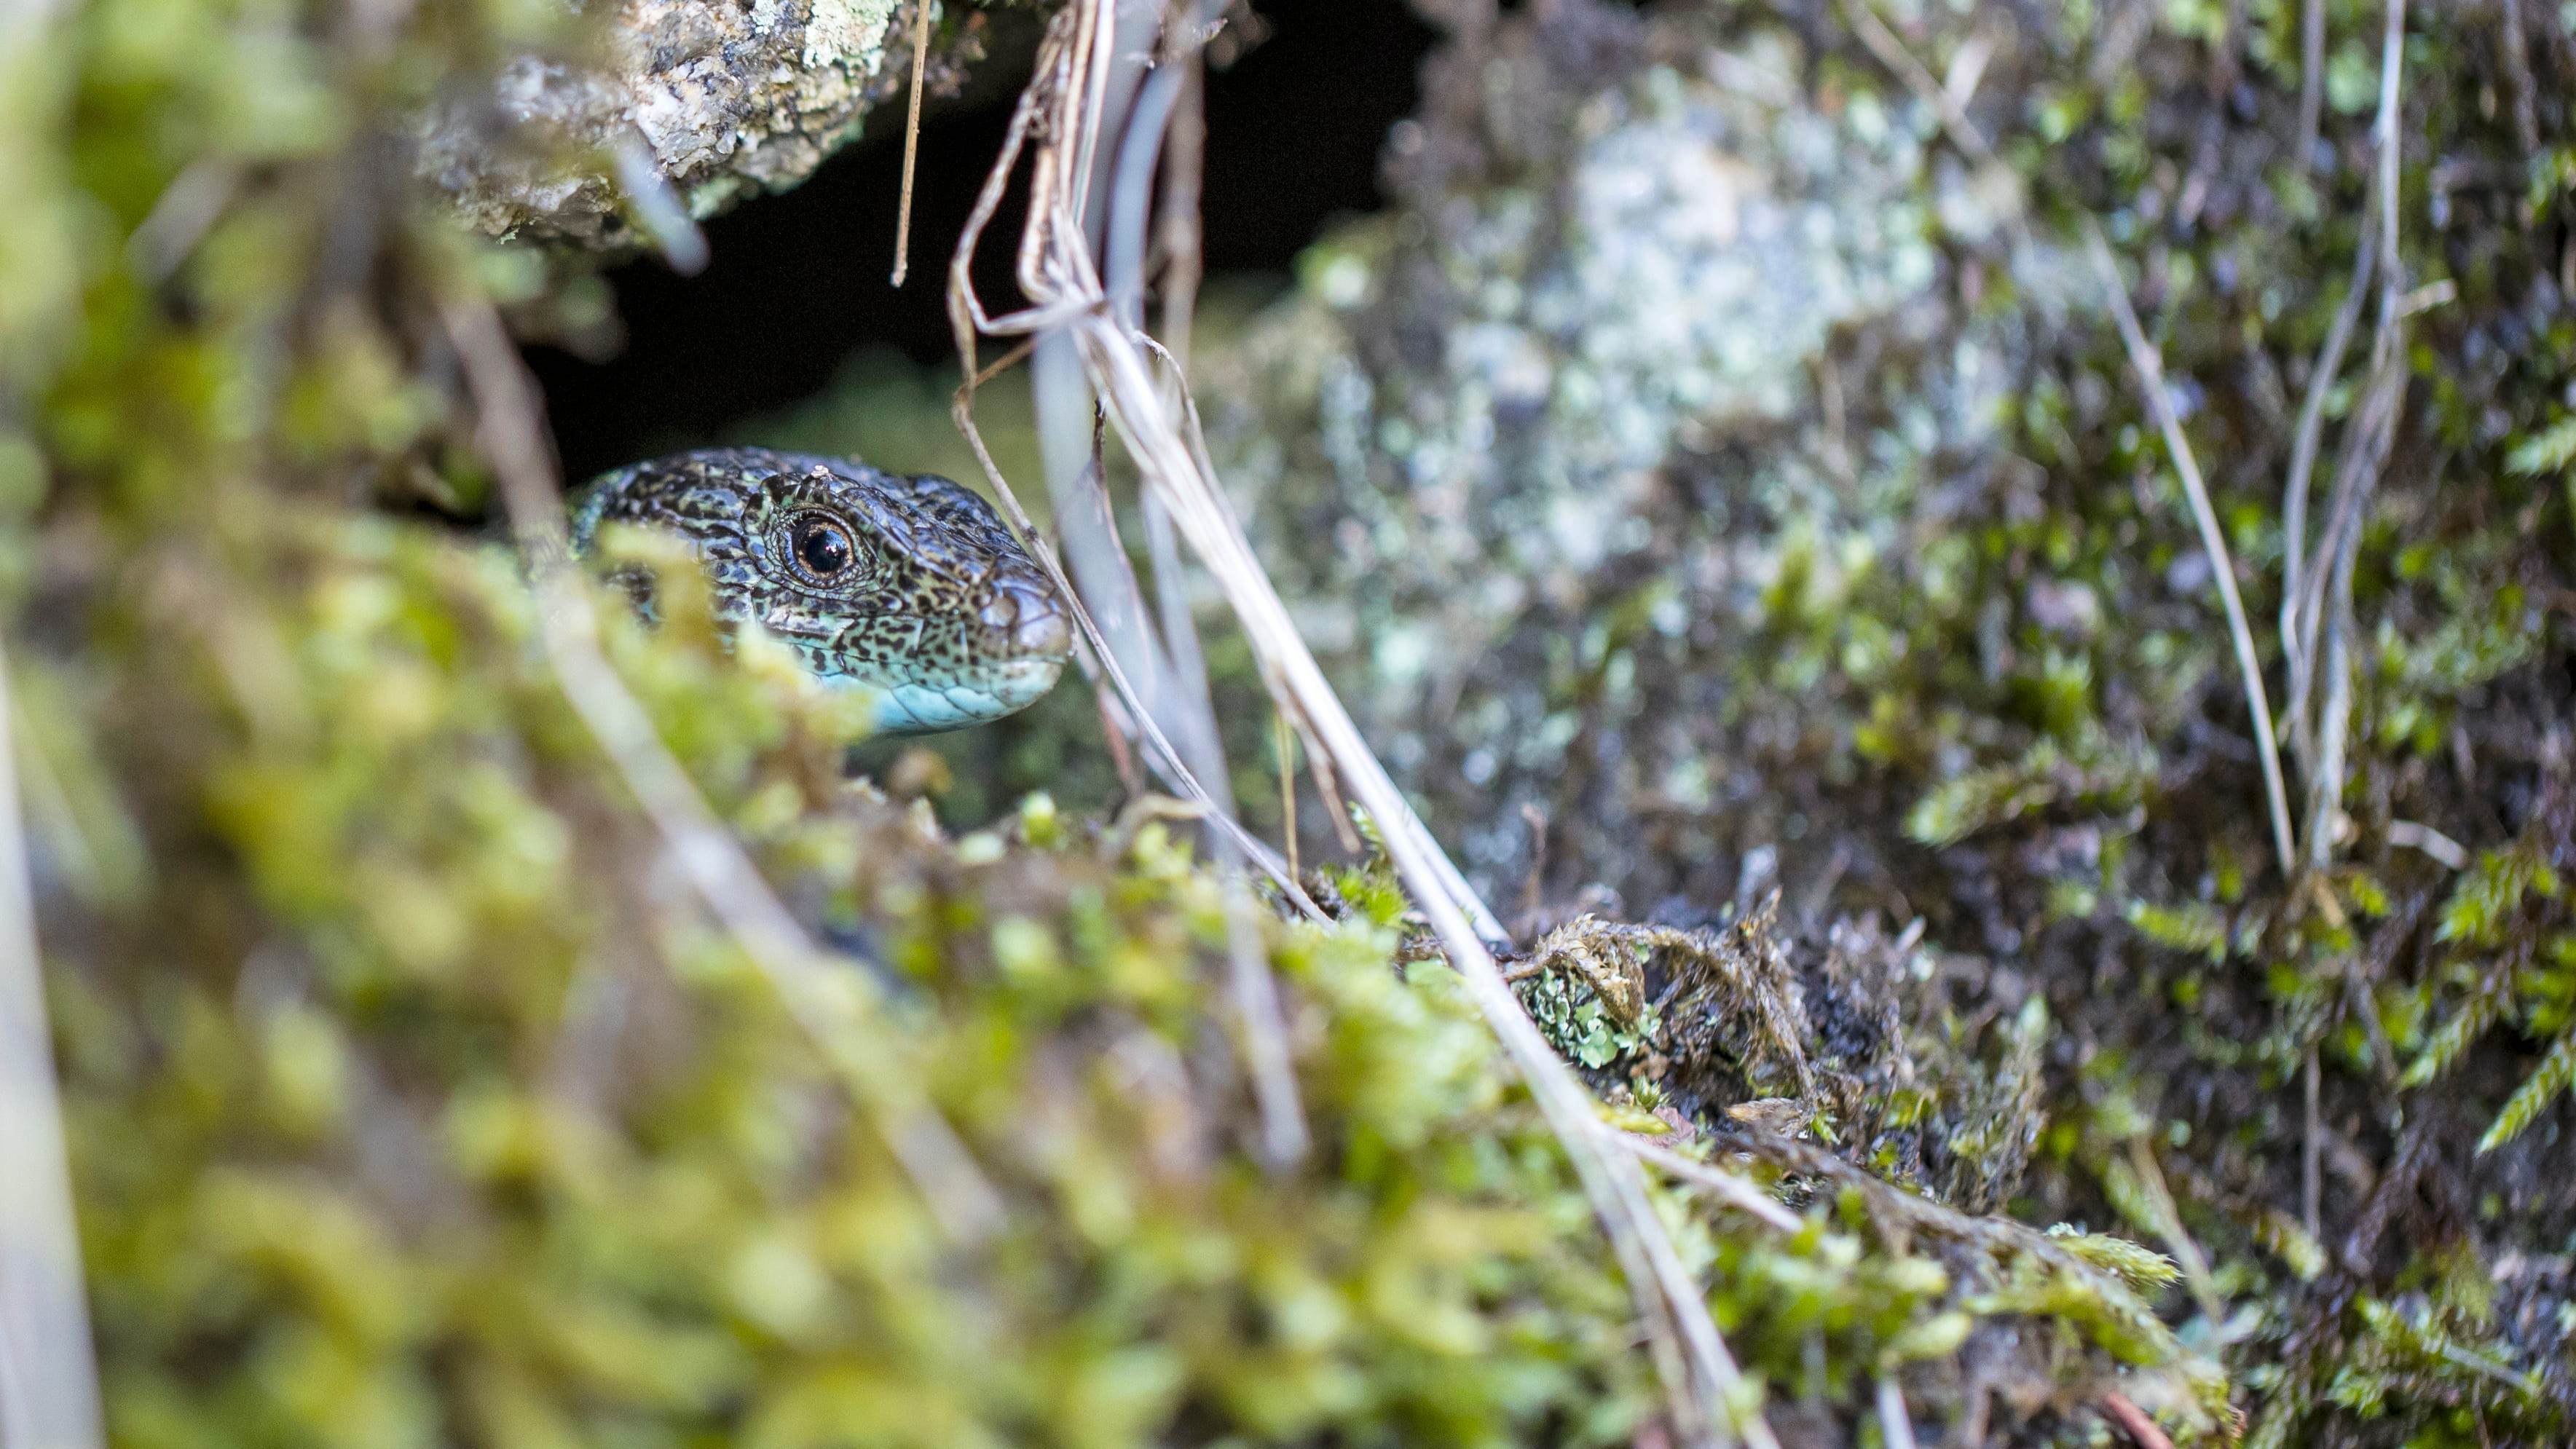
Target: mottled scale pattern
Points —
{"points": [[908, 586]]}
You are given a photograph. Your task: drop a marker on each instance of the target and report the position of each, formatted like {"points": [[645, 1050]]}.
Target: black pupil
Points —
{"points": [[823, 549]]}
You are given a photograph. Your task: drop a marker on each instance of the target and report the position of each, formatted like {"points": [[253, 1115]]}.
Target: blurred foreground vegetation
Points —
{"points": [[414, 1098]]}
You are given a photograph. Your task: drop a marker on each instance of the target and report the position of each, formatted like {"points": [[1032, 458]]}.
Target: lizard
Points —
{"points": [[905, 585]]}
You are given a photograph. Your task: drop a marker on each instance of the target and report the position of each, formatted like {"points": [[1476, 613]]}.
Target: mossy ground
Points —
{"points": [[1909, 616]]}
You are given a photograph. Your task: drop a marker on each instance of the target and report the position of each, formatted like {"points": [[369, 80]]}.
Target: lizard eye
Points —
{"points": [[822, 547]]}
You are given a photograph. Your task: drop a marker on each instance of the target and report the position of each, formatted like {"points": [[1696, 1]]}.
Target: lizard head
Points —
{"points": [[908, 586]]}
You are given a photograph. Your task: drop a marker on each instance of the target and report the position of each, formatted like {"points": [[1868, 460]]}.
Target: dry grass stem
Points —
{"points": [[1284, 742], [2516, 45], [966, 313], [2151, 377], [2134, 1422], [1181, 239], [1284, 1138], [1895, 1428], [1948, 105], [1316, 760], [833, 1004], [911, 140], [2312, 80], [48, 1381], [1737, 1192], [2195, 1264], [2317, 603], [1057, 274], [1122, 703], [2294, 495]]}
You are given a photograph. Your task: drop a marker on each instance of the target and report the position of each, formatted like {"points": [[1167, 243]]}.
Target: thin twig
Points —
{"points": [[834, 1005], [2324, 595], [911, 139], [2294, 495], [2134, 1421], [1284, 742], [1896, 1430], [2312, 80], [2151, 376], [1892, 53], [1737, 1192], [48, 1379], [1284, 1138], [2517, 69], [2312, 1147], [2195, 1265]]}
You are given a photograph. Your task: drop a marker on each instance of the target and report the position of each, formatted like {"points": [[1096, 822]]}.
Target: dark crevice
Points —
{"points": [[798, 281]]}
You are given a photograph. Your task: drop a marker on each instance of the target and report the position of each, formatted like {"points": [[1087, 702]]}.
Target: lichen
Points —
{"points": [[722, 101]]}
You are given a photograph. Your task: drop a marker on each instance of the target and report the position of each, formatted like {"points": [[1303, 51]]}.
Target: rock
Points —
{"points": [[1655, 332], [718, 100]]}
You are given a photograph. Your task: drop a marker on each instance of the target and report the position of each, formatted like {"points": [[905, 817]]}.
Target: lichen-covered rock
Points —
{"points": [[1552, 420], [719, 100]]}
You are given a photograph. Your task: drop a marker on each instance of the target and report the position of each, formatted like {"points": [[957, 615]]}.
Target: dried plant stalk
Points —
{"points": [[2151, 379], [1060, 114], [48, 1381], [911, 140]]}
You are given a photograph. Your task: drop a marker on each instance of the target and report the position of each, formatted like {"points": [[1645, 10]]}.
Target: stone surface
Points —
{"points": [[722, 100], [1654, 330]]}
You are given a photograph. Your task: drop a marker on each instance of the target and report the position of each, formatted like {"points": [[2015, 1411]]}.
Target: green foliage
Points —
{"points": [[2192, 927], [2548, 451], [2406, 1349], [2144, 1270], [2509, 963], [2555, 1074], [2491, 894]]}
